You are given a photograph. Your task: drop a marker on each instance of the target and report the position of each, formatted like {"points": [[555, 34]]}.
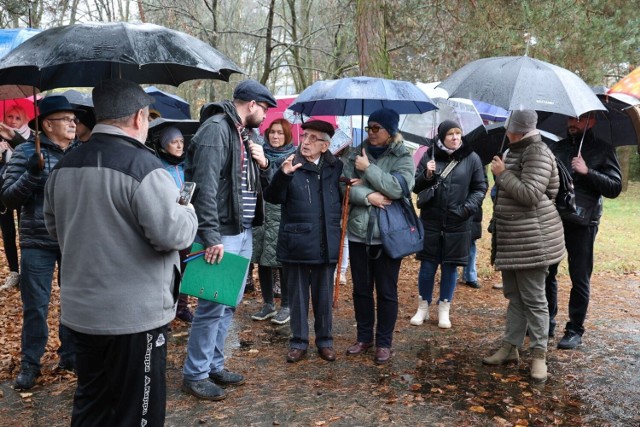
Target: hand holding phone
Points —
{"points": [[186, 192]]}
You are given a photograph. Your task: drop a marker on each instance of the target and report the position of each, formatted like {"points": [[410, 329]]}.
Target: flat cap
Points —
{"points": [[116, 98], [253, 90], [320, 126]]}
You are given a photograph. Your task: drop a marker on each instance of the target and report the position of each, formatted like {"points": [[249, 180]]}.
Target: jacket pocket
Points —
{"points": [[299, 242]]}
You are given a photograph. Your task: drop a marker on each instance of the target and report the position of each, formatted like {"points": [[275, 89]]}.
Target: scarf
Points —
{"points": [[444, 148], [274, 154]]}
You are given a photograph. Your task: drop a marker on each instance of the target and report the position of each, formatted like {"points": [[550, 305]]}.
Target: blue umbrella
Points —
{"points": [[359, 96], [12, 37], [169, 105], [491, 112]]}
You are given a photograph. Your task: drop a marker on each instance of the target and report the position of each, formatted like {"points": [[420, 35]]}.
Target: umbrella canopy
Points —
{"points": [[361, 96], [187, 127], [85, 54], [491, 112], [170, 106], [618, 126], [25, 103], [77, 98], [520, 82], [487, 141], [12, 37], [282, 111], [629, 85]]}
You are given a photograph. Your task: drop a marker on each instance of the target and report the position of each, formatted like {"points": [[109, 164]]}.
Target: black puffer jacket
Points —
{"points": [[25, 191], [604, 177], [448, 216], [311, 205]]}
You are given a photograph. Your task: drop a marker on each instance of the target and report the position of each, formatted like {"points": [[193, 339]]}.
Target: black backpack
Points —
{"points": [[566, 198]]}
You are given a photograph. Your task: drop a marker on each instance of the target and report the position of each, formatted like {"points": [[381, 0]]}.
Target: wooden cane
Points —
{"points": [[343, 232]]}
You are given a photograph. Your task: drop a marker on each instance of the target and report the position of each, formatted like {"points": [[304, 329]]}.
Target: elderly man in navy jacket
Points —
{"points": [[307, 186]]}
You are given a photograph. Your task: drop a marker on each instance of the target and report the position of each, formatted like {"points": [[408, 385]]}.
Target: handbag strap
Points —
{"points": [[447, 170]]}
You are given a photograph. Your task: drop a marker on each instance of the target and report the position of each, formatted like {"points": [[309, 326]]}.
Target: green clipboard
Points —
{"points": [[219, 283]]}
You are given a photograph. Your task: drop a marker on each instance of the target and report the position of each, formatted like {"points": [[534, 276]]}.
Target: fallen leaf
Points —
{"points": [[478, 409]]}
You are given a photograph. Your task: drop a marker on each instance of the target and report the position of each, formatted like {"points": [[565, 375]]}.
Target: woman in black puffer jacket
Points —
{"points": [[447, 217]]}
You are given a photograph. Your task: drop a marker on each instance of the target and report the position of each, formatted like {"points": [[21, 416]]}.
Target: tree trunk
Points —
{"points": [[268, 44], [371, 39]]}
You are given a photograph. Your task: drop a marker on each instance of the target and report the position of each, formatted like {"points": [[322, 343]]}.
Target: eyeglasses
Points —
{"points": [[67, 120], [373, 129], [311, 138], [265, 109]]}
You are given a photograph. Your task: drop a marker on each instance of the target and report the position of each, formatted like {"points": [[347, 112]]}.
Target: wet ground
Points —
{"points": [[436, 377]]}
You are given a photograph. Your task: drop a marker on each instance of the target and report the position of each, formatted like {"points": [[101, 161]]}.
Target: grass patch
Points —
{"points": [[617, 247]]}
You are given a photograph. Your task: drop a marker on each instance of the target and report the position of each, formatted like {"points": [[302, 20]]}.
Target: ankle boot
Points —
{"points": [[422, 314], [507, 353], [443, 314], [539, 364]]}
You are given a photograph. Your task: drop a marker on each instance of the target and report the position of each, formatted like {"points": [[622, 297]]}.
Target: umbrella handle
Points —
{"points": [[37, 130], [343, 232]]}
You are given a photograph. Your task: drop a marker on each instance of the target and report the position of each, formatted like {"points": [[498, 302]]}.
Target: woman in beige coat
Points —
{"points": [[528, 238]]}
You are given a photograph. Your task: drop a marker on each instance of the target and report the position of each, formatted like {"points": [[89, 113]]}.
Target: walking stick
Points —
{"points": [[343, 232]]}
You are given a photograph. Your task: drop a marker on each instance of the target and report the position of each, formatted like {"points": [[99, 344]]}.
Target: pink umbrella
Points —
{"points": [[281, 111]]}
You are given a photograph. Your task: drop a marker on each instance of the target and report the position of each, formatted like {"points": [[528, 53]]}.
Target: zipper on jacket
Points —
{"points": [[309, 190]]}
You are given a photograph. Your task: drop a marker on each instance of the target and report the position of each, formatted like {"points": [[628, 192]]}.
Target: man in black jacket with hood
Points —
{"points": [[230, 171], [596, 173]]}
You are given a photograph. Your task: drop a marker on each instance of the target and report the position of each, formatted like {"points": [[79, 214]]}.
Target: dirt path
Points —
{"points": [[436, 377]]}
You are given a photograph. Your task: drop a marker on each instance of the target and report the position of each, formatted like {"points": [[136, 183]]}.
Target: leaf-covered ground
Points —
{"points": [[436, 378]]}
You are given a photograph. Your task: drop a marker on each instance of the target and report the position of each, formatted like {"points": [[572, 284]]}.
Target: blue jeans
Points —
{"points": [[470, 272], [426, 279], [211, 321], [36, 274]]}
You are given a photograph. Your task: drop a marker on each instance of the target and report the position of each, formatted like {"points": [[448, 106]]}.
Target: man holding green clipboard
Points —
{"points": [[230, 171]]}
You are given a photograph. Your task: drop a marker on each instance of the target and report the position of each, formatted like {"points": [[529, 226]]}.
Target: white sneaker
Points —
{"points": [[12, 280]]}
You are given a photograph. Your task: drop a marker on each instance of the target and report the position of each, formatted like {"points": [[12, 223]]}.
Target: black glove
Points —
{"points": [[33, 164]]}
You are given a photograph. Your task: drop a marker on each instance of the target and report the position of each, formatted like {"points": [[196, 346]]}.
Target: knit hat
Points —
{"points": [[252, 90], [113, 99], [387, 118], [445, 127], [522, 121], [320, 126], [168, 134]]}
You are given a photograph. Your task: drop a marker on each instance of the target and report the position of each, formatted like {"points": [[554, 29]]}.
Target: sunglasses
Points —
{"points": [[373, 129]]}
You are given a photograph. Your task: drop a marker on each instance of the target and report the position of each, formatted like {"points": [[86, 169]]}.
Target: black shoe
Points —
{"points": [[225, 378], [474, 285], [66, 365], [570, 340], [203, 389], [26, 378]]}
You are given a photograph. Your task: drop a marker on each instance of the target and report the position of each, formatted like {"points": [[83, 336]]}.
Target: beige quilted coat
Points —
{"points": [[528, 228]]}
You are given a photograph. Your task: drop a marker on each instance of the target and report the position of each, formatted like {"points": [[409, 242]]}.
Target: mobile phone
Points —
{"points": [[186, 193]]}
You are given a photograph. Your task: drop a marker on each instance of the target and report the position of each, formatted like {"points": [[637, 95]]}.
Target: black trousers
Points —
{"points": [[121, 379], [368, 272], [8, 226], [265, 275], [579, 241]]}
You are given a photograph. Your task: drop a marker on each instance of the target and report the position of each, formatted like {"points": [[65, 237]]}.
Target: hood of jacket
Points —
{"points": [[221, 107]]}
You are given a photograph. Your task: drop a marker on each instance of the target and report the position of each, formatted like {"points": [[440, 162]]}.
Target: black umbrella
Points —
{"points": [[487, 141], [187, 127], [520, 82], [85, 54], [618, 126]]}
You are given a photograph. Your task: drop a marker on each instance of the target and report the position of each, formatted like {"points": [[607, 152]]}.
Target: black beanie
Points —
{"points": [[445, 127]]}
